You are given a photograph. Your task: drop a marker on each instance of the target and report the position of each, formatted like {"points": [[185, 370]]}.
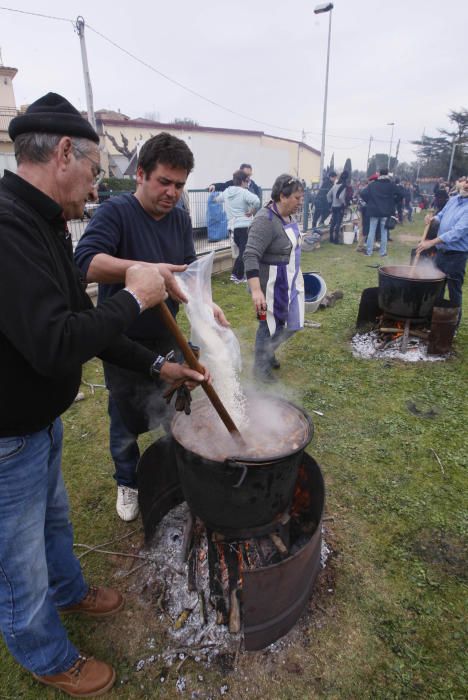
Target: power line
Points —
{"points": [[185, 87], [155, 70], [37, 14]]}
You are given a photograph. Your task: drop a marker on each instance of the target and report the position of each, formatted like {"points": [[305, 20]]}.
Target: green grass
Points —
{"points": [[393, 624]]}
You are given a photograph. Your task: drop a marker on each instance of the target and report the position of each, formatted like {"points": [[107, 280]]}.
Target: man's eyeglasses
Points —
{"points": [[99, 173]]}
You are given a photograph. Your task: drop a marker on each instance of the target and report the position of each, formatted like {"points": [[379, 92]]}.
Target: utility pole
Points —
{"points": [[368, 152], [452, 157], [392, 124], [396, 153], [419, 159], [325, 7], [80, 27]]}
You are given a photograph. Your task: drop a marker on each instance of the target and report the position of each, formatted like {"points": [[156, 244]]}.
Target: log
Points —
{"points": [[187, 538], [279, 544], [234, 613]]}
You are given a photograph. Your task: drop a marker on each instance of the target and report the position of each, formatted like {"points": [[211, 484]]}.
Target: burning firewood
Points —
{"points": [[187, 538], [182, 619], [234, 612], [279, 544], [216, 589], [202, 607]]}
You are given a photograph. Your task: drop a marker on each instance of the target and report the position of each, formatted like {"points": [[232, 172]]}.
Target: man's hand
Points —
{"points": [[218, 313], [173, 289], [147, 283], [172, 372], [424, 245]]}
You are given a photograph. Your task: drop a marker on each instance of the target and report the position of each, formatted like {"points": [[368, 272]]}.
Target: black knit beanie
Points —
{"points": [[52, 114]]}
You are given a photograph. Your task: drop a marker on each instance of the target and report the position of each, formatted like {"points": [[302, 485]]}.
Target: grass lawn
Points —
{"points": [[387, 620]]}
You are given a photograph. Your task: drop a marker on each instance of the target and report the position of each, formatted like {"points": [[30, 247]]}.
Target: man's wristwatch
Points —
{"points": [[156, 367]]}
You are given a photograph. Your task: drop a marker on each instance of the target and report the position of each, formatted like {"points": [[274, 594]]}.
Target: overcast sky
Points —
{"points": [[391, 61]]}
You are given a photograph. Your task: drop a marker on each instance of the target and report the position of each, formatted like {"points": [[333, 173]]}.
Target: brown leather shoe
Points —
{"points": [[87, 678], [98, 602]]}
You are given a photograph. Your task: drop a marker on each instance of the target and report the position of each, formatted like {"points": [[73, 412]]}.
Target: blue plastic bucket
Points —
{"points": [[314, 290]]}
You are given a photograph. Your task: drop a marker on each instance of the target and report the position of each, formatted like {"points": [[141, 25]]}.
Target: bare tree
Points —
{"points": [[123, 149]]}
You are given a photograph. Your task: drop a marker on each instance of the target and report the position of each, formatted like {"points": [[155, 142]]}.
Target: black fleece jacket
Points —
{"points": [[381, 197], [48, 325]]}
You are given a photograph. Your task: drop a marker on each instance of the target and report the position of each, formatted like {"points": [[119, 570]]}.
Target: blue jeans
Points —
{"points": [[38, 570], [123, 448], [373, 223], [454, 265], [266, 344], [123, 442]]}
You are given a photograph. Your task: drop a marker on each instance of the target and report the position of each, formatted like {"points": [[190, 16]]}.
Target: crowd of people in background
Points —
{"points": [[329, 200]]}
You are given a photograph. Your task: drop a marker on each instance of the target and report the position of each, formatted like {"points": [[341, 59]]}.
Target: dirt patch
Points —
{"points": [[442, 551], [409, 237]]}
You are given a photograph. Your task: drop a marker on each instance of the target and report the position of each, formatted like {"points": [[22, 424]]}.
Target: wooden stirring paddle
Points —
{"points": [[189, 356], [416, 257]]}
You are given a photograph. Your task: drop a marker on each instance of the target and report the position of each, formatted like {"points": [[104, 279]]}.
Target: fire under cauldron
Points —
{"points": [[288, 494], [409, 299], [408, 292]]}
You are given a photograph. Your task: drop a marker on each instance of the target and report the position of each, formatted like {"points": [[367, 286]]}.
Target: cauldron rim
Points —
{"points": [[387, 271]]}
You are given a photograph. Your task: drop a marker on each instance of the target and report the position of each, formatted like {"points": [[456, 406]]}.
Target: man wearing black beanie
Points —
{"points": [[48, 329]]}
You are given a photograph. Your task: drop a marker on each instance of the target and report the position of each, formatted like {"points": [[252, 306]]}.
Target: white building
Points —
{"points": [[7, 112], [217, 152]]}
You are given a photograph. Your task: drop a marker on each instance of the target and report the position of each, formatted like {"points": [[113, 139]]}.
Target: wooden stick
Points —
{"points": [[187, 539], [192, 362], [234, 623], [438, 460], [416, 257], [279, 544], [405, 338]]}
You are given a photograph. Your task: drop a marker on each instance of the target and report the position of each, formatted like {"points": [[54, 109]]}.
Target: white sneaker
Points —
{"points": [[127, 503]]}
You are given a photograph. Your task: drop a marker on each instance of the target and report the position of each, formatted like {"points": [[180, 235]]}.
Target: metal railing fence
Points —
{"points": [[198, 207], [6, 115]]}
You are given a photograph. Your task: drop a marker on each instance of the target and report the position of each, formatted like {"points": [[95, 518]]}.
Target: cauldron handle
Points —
{"points": [[236, 465]]}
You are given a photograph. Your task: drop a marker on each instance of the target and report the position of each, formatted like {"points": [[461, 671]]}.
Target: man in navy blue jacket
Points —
{"points": [[149, 228]]}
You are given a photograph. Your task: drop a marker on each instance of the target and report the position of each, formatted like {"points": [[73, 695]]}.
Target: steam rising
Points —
{"points": [[273, 427]]}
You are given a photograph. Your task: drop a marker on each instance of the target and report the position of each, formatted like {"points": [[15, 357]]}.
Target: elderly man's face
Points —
{"points": [[80, 186]]}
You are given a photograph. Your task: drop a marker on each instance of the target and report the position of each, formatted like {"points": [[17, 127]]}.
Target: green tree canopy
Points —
{"points": [[434, 152]]}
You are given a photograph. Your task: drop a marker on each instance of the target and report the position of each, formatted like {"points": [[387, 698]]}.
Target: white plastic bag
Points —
{"points": [[219, 347]]}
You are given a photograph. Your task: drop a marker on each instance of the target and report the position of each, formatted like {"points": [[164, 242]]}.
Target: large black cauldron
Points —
{"points": [[239, 493], [409, 292]]}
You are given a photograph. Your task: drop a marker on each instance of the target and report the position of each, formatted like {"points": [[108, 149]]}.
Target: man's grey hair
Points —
{"points": [[39, 147]]}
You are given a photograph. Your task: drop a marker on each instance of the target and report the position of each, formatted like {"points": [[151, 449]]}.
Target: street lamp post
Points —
{"points": [[392, 124], [319, 9]]}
